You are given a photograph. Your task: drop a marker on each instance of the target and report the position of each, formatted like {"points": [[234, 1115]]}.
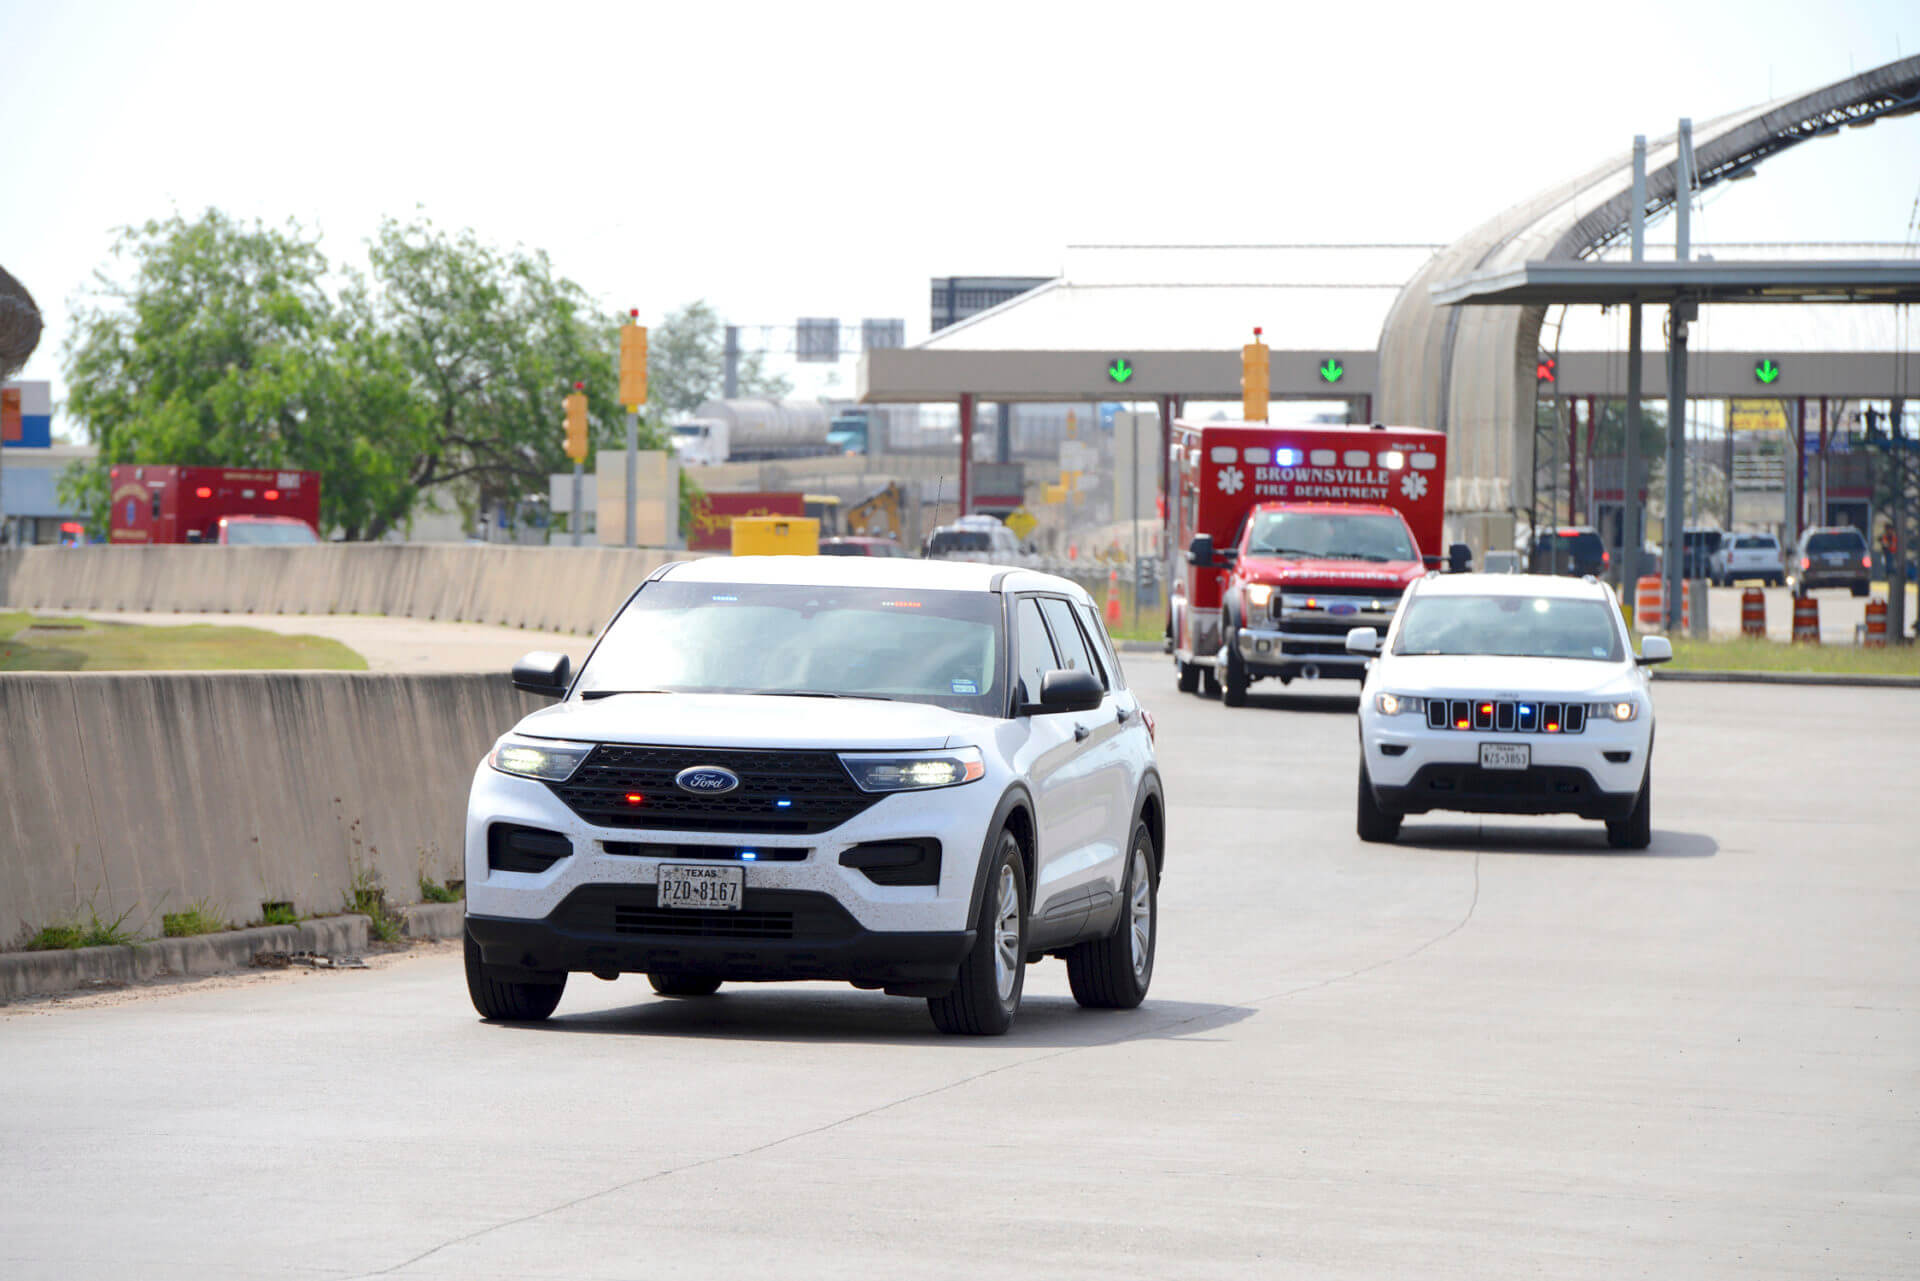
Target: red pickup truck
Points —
{"points": [[1291, 536]]}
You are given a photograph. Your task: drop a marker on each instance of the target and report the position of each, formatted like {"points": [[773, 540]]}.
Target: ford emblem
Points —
{"points": [[1343, 607], [706, 780]]}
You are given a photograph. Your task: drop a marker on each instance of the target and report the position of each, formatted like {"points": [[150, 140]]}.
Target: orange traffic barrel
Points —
{"points": [[1646, 604], [1753, 612], [1113, 598], [1876, 624], [1806, 619]]}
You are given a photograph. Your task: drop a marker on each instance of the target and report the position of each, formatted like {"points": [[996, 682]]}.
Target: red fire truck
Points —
{"points": [[167, 504], [1286, 537]]}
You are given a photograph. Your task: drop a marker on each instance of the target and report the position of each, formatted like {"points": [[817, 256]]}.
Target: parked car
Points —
{"points": [[857, 545], [1570, 549], [1501, 563], [975, 539], [1831, 556], [936, 774], [1742, 557], [1502, 694]]}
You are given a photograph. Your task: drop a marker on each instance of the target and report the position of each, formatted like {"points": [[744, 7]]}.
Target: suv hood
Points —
{"points": [[1484, 676], [749, 721], [1309, 571]]}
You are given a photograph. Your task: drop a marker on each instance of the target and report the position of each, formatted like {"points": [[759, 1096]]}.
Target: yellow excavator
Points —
{"points": [[878, 515]]}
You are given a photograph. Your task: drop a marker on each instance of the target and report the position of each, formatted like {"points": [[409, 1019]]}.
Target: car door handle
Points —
{"points": [[1080, 732], [1123, 715]]}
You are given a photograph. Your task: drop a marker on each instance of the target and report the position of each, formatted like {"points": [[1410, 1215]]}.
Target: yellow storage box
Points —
{"points": [[776, 536]]}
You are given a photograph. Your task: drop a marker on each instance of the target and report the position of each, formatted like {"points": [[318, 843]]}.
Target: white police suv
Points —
{"points": [[908, 775], [1507, 694]]}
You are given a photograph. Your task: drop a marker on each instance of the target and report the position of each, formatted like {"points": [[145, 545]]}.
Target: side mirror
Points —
{"points": [[1431, 562], [1460, 559], [1363, 640], [1655, 649], [194, 536], [543, 672], [1200, 551], [1062, 690]]}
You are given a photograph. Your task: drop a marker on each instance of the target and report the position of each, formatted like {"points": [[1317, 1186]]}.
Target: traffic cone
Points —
{"points": [[1113, 598]]}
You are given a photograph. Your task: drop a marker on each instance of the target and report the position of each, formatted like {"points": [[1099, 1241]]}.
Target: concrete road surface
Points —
{"points": [[1496, 1049]]}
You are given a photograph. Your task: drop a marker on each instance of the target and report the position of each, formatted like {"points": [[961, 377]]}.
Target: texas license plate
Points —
{"points": [[1505, 755], [706, 887]]}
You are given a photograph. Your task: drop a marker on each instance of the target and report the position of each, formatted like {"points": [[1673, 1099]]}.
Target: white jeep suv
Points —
{"points": [[908, 775], [1507, 694]]}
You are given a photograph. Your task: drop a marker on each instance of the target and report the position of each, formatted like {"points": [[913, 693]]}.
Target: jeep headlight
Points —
{"points": [[913, 771], [548, 760], [1395, 704], [1624, 710], [1258, 594]]}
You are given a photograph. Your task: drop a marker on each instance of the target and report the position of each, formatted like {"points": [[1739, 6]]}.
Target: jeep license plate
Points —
{"points": [[1505, 755], [707, 887]]}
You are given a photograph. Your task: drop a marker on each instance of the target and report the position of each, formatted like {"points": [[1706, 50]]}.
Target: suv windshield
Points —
{"points": [[935, 647], [1335, 535], [246, 533], [1753, 543], [1510, 626], [1844, 540]]}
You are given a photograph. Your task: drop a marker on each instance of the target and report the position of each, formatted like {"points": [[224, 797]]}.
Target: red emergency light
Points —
{"points": [[205, 491], [272, 495]]}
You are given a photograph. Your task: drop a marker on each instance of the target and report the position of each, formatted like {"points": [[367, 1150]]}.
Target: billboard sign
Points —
{"points": [[712, 526]]}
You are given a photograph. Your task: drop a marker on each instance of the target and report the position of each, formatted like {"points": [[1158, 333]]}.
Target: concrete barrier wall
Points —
{"points": [[144, 792], [562, 589]]}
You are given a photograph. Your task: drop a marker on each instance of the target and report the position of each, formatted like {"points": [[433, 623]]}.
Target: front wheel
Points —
{"points": [[507, 1000], [1371, 821], [1861, 589], [1189, 676], [1635, 831], [1233, 690], [986, 994], [1113, 973]]}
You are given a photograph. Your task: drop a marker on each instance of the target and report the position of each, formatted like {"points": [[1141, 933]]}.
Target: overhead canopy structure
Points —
{"points": [[1612, 283], [1470, 370]]}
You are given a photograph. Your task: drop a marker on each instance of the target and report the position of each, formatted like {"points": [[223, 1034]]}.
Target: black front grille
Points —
{"points": [[779, 792], [675, 922], [633, 912], [1506, 716]]}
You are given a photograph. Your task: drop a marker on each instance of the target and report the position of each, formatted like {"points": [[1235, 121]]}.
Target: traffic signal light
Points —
{"points": [[1253, 380], [577, 424], [633, 364]]}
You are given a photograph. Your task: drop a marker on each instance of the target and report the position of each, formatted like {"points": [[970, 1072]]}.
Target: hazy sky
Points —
{"points": [[826, 159]]}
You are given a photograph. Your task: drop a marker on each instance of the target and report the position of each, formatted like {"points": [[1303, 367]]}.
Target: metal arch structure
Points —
{"points": [[19, 325], [1469, 370]]}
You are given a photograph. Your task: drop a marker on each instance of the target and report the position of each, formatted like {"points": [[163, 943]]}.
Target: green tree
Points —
{"points": [[686, 363], [220, 346]]}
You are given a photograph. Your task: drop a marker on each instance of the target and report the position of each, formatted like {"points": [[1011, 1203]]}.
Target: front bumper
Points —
{"points": [[1274, 652], [1595, 774], [776, 935]]}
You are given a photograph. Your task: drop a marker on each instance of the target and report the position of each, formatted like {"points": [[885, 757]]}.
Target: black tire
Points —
{"points": [[1113, 973], [505, 1000], [1189, 676], [684, 984], [1209, 682], [1635, 831], [1861, 589], [975, 1005], [1233, 688], [1371, 821]]}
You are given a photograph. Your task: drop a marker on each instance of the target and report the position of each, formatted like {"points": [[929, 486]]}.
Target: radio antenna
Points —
{"points": [[939, 487]]}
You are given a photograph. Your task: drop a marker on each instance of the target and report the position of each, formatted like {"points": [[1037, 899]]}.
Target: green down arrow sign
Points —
{"points": [[1333, 371], [1120, 371], [1766, 371]]}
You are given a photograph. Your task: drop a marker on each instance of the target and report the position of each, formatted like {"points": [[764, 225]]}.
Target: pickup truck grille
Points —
{"points": [[779, 792], [1506, 716]]}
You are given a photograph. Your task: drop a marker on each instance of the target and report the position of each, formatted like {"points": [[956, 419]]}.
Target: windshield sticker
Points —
{"points": [[965, 687], [1599, 651]]}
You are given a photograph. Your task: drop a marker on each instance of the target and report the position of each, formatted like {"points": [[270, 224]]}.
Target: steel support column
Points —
{"points": [[966, 452]]}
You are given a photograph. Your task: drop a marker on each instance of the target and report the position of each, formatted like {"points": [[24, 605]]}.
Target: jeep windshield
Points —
{"points": [[1510, 627], [1330, 535], [937, 647]]}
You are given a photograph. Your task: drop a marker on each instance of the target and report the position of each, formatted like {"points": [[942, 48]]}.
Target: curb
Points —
{"points": [[1858, 680], [434, 920], [48, 973]]}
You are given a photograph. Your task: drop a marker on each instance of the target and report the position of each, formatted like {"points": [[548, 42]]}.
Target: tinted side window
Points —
{"points": [[1102, 646], [1067, 638], [1033, 651]]}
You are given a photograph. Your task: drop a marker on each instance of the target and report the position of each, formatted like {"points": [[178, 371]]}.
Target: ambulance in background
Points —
{"points": [[1286, 537], [234, 505]]}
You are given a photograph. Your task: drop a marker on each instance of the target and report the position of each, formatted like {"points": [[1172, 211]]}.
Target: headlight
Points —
{"points": [[1258, 594], [1395, 704], [913, 771], [1624, 710], [548, 761]]}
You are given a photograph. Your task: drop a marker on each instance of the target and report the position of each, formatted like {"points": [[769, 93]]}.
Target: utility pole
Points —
{"points": [[1678, 314], [576, 405], [730, 382], [1630, 535], [633, 394]]}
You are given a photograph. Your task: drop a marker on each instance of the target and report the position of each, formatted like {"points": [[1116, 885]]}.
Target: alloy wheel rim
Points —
{"points": [[1006, 935], [1141, 913]]}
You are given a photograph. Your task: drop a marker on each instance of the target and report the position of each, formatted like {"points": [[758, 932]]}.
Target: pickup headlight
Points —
{"points": [[548, 760], [1395, 704], [1624, 710], [1258, 594], [913, 771]]}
